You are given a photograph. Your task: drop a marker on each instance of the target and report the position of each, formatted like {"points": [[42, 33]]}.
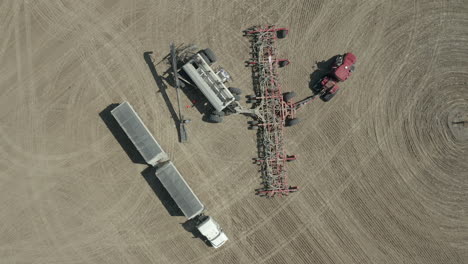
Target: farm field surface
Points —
{"points": [[382, 168]]}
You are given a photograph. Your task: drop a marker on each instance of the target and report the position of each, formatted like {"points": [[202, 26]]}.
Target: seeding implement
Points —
{"points": [[275, 109]]}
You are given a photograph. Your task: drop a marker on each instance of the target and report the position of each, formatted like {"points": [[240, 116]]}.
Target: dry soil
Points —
{"points": [[382, 169]]}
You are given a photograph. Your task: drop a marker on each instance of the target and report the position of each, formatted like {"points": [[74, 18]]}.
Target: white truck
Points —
{"points": [[189, 203], [212, 84], [211, 230]]}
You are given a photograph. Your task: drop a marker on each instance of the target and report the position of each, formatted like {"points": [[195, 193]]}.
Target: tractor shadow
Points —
{"points": [[322, 69], [149, 174], [120, 136]]}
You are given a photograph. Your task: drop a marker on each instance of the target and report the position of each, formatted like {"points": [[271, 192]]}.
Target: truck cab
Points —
{"points": [[210, 229]]}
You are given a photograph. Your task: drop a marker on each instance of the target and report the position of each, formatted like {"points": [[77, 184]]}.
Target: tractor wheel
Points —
{"points": [[253, 127], [327, 97], [235, 90], [253, 123], [210, 55], [291, 122], [281, 33], [288, 96], [283, 63], [215, 118], [237, 97]]}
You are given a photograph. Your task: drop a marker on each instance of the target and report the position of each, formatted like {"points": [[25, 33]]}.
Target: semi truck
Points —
{"points": [[168, 174], [189, 204]]}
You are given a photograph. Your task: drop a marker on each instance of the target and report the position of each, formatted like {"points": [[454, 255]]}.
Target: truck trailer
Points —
{"points": [[179, 190], [139, 134]]}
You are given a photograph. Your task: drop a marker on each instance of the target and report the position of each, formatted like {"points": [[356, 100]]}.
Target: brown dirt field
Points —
{"points": [[383, 167]]}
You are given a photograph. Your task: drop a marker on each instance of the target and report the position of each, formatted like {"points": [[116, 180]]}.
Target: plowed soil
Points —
{"points": [[382, 168]]}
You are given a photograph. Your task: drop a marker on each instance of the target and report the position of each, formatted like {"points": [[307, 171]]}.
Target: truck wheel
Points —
{"points": [[291, 122], [288, 96], [210, 54], [281, 33], [235, 90], [327, 97], [215, 118]]}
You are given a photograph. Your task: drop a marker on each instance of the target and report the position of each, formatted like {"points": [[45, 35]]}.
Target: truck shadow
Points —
{"points": [[159, 80], [323, 68], [120, 135], [191, 226], [157, 187], [149, 174]]}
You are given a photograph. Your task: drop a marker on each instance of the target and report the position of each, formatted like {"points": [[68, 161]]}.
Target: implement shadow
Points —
{"points": [[323, 68], [162, 89], [120, 135], [150, 176]]}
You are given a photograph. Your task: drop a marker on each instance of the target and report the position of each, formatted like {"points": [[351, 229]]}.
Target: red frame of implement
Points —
{"points": [[273, 108]]}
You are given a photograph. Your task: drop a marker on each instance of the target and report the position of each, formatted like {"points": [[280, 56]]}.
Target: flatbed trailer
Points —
{"points": [[139, 134]]}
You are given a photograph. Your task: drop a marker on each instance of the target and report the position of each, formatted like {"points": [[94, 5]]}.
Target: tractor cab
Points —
{"points": [[344, 66]]}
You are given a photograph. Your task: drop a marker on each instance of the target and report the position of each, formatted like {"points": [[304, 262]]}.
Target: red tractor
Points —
{"points": [[341, 70]]}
